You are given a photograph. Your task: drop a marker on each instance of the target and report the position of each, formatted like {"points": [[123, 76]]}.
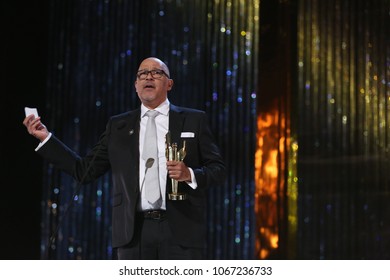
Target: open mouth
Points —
{"points": [[149, 86]]}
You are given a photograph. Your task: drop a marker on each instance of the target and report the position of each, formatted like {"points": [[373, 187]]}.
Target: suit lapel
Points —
{"points": [[133, 132], [127, 139], [176, 121]]}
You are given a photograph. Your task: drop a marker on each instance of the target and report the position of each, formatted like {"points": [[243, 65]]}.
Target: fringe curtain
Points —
{"points": [[323, 139]]}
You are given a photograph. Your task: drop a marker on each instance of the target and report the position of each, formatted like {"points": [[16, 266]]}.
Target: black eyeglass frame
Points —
{"points": [[159, 72]]}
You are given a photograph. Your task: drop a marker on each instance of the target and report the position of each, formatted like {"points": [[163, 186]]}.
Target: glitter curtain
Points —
{"points": [[323, 135], [95, 47], [275, 158], [343, 129]]}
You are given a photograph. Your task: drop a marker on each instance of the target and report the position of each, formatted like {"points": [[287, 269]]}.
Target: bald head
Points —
{"points": [[155, 61]]}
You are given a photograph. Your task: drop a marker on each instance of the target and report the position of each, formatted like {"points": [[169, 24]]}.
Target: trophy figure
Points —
{"points": [[172, 153]]}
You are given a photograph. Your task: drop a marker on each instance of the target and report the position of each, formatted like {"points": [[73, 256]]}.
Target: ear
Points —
{"points": [[170, 84]]}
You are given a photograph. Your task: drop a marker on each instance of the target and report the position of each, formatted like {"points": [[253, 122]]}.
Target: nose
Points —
{"points": [[149, 75]]}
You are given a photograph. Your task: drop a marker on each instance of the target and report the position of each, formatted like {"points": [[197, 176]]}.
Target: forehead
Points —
{"points": [[151, 64]]}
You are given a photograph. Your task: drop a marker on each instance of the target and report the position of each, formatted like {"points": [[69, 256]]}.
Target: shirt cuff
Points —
{"points": [[193, 184], [43, 142]]}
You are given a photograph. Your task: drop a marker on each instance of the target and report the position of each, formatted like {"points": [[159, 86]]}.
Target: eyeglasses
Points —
{"points": [[156, 74]]}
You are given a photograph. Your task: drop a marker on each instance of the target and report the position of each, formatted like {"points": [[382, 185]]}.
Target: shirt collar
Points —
{"points": [[163, 108]]}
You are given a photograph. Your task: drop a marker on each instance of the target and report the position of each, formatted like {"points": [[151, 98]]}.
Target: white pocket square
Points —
{"points": [[187, 135]]}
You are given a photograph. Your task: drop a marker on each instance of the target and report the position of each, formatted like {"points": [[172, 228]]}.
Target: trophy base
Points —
{"points": [[177, 196]]}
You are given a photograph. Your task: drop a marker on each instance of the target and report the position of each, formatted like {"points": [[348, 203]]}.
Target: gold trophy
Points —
{"points": [[172, 153]]}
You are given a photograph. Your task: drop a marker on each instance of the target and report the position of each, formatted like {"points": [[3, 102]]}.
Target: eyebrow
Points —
{"points": [[140, 70]]}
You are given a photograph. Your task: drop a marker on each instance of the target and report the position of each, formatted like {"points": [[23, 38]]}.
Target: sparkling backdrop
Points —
{"points": [[343, 129], [323, 138], [94, 51]]}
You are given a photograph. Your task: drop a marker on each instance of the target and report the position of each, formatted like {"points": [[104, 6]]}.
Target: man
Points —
{"points": [[141, 229]]}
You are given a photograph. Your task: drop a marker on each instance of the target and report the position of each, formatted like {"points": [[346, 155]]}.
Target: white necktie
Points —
{"points": [[152, 185]]}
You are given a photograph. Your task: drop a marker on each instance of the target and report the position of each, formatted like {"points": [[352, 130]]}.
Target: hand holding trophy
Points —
{"points": [[173, 154]]}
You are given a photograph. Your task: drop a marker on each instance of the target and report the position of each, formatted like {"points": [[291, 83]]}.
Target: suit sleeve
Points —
{"points": [[83, 169], [212, 170]]}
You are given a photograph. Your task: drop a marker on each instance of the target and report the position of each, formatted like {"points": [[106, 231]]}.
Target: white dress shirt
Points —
{"points": [[162, 125]]}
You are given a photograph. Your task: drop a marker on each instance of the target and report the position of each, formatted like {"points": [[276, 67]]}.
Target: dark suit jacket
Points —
{"points": [[118, 150]]}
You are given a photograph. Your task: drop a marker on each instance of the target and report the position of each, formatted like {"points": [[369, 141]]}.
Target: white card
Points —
{"points": [[30, 111], [187, 135]]}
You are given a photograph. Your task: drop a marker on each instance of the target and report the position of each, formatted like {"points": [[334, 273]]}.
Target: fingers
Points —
{"points": [[33, 124], [28, 119], [29, 122], [35, 127], [178, 170]]}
